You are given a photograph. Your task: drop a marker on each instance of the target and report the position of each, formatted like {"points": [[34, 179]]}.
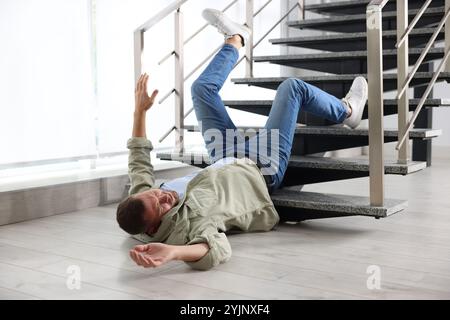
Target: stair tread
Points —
{"points": [[343, 131], [388, 102], [357, 40], [340, 55], [339, 84], [354, 164], [337, 4], [345, 204], [359, 17], [339, 130], [310, 162], [342, 36], [333, 77], [332, 7]]}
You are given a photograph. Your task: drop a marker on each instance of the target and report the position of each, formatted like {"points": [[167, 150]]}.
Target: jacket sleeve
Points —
{"points": [[140, 169], [219, 247]]}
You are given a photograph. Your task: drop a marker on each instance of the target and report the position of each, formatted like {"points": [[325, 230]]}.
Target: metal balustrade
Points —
{"points": [[178, 52], [375, 79]]}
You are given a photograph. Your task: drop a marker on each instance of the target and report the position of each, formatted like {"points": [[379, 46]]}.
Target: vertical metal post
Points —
{"points": [[403, 70], [423, 149], [179, 82], [301, 9], [138, 50], [376, 128], [447, 35], [249, 45]]}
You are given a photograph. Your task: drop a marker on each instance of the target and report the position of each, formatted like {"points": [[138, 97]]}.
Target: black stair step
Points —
{"points": [[312, 140], [349, 62], [342, 131], [339, 85], [358, 22], [360, 6], [357, 41], [316, 139], [201, 159], [303, 170], [262, 107], [293, 205]]}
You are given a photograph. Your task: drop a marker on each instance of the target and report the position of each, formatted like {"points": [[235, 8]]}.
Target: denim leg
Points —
{"points": [[292, 95], [208, 105]]}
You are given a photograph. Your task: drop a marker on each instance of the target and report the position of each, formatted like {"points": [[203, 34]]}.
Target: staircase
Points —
{"points": [[343, 57]]}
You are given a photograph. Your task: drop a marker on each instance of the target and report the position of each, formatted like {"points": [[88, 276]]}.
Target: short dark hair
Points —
{"points": [[130, 215]]}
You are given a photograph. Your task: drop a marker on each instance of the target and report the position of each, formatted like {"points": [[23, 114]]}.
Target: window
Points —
{"points": [[46, 96]]}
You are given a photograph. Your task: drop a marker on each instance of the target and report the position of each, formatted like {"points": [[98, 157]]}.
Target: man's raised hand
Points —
{"points": [[143, 101]]}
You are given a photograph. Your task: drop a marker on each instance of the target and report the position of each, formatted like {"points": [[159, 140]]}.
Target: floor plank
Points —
{"points": [[8, 294], [46, 286]]}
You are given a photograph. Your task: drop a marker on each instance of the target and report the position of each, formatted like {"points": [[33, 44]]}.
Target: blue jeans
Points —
{"points": [[292, 95]]}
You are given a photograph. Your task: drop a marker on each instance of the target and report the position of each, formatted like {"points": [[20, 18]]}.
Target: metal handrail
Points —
{"points": [[167, 56], [405, 134], [262, 8], [139, 33], [161, 15], [424, 54], [167, 95], [239, 61], [270, 30], [413, 23], [277, 23], [422, 101]]}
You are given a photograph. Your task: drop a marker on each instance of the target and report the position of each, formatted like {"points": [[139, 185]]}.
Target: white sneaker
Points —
{"points": [[225, 25], [356, 99]]}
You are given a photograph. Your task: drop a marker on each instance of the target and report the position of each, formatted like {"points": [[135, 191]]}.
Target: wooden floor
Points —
{"points": [[326, 259]]}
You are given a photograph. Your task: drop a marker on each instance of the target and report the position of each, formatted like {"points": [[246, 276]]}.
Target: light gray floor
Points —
{"points": [[326, 259]]}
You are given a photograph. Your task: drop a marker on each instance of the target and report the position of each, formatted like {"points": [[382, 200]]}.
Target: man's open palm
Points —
{"points": [[152, 255], [143, 101]]}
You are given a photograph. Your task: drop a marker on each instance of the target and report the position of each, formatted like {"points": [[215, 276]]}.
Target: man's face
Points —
{"points": [[157, 203]]}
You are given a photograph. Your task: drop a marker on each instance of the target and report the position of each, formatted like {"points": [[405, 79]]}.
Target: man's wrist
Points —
{"points": [[139, 114], [177, 252]]}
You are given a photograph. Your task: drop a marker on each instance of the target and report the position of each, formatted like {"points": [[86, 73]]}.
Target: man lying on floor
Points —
{"points": [[186, 218]]}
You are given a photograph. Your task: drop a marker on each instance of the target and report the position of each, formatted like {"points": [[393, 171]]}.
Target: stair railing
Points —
{"points": [[404, 86], [178, 52], [375, 79]]}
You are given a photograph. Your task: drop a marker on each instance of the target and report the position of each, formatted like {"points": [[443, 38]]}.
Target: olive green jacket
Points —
{"points": [[233, 196]]}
